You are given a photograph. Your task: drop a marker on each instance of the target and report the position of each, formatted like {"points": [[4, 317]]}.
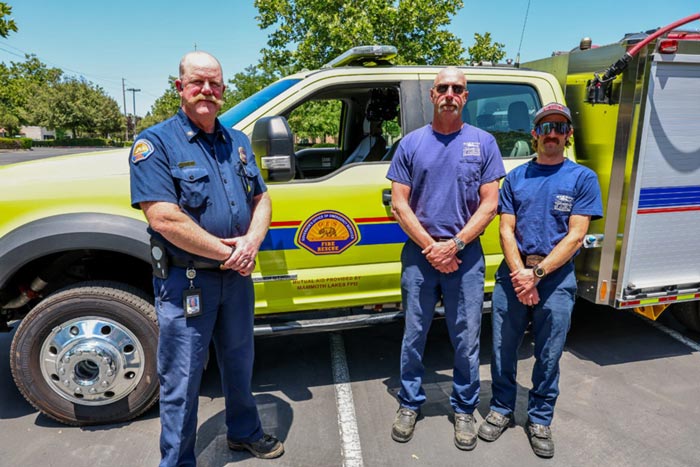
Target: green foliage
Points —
{"points": [[316, 119], [19, 82], [15, 143], [6, 25], [78, 105], [245, 84], [163, 108], [484, 51], [310, 33], [81, 142]]}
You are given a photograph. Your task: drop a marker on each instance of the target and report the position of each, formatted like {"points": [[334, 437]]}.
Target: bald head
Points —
{"points": [[451, 74], [197, 59]]}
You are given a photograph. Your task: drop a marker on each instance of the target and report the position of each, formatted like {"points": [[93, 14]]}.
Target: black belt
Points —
{"points": [[442, 239], [190, 263]]}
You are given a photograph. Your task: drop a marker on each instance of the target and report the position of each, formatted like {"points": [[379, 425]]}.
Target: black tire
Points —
{"points": [[112, 336], [688, 313]]}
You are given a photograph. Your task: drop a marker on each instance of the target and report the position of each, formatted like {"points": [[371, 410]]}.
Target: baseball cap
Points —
{"points": [[553, 109]]}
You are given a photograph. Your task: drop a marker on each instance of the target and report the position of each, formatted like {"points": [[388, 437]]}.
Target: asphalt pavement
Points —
{"points": [[629, 394], [11, 157]]}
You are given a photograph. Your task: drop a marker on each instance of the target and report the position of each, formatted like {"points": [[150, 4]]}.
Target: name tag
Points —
{"points": [[471, 149]]}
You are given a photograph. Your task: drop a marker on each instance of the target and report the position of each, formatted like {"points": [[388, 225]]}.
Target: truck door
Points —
{"points": [[332, 241]]}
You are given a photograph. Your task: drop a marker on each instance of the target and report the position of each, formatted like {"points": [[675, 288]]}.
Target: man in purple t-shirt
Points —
{"points": [[444, 193]]}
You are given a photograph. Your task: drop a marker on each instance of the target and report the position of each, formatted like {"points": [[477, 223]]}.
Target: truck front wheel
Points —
{"points": [[86, 355]]}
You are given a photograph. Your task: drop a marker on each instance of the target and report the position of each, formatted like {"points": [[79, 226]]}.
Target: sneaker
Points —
{"points": [[540, 439], [267, 447], [494, 424], [404, 424], [465, 431]]}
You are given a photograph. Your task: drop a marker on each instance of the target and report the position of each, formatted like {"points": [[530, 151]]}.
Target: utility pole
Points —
{"points": [[126, 117], [133, 92]]}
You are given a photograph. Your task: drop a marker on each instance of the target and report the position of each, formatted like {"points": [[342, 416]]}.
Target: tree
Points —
{"points": [[245, 84], [484, 51], [163, 108], [18, 83], [77, 105], [6, 25], [310, 33]]}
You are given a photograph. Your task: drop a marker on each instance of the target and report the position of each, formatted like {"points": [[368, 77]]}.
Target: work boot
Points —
{"points": [[494, 424], [465, 431], [404, 424], [540, 439], [267, 447]]}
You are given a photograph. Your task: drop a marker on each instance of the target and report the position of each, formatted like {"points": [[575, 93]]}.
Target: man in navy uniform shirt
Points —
{"points": [[208, 211]]}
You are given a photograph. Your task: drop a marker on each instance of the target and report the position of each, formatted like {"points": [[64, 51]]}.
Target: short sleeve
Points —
{"points": [[588, 198], [149, 172]]}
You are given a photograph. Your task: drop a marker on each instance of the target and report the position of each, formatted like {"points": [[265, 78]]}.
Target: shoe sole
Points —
{"points": [[268, 455], [491, 438], [400, 439], [466, 447], [546, 455]]}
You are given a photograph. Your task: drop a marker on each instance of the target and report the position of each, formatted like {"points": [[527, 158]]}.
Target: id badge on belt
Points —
{"points": [[192, 297]]}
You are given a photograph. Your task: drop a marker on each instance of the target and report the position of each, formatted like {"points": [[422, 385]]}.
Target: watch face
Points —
{"points": [[539, 272]]}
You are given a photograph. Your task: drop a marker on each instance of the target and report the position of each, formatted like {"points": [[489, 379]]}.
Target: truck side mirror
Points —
{"points": [[273, 142]]}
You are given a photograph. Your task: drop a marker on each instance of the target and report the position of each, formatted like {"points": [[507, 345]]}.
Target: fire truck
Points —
{"points": [[75, 274], [636, 105]]}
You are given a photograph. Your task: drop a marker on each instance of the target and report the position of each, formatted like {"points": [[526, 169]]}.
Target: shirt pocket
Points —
{"points": [[248, 176], [469, 170], [561, 202], [192, 182]]}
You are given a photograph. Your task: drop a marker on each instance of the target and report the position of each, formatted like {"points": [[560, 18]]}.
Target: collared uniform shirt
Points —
{"points": [[212, 178]]}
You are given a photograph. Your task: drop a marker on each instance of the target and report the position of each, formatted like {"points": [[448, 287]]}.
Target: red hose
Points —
{"points": [[661, 31]]}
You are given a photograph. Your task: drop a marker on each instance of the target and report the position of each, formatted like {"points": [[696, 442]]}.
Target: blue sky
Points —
{"points": [[142, 41]]}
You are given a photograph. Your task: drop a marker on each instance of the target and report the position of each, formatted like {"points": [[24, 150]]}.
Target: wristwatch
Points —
{"points": [[460, 244], [539, 272]]}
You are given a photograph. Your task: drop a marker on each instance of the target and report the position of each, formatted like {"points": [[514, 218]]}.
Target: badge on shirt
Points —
{"points": [[242, 154], [141, 150], [471, 149]]}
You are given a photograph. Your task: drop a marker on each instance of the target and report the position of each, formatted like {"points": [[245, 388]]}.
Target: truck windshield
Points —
{"points": [[244, 108]]}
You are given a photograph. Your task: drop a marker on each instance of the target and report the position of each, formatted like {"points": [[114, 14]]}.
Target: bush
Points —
{"points": [[90, 142], [16, 143]]}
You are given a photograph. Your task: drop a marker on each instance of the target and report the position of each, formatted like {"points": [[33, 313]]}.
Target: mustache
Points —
{"points": [[201, 97]]}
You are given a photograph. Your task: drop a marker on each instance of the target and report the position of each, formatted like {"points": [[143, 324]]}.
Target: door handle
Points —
{"points": [[386, 197]]}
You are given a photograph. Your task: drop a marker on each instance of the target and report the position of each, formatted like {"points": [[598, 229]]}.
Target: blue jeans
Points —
{"points": [[551, 319], [462, 293], [228, 303]]}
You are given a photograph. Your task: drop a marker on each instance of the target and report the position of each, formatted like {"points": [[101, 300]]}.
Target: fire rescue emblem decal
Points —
{"points": [[327, 233], [142, 149]]}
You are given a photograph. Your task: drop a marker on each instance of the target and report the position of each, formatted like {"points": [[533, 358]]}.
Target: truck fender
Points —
{"points": [[67, 232]]}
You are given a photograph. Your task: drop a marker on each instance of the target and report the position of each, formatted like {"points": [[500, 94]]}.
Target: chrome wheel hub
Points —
{"points": [[92, 361]]}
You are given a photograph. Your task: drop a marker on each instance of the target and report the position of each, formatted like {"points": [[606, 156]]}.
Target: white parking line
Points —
{"points": [[673, 333], [351, 450]]}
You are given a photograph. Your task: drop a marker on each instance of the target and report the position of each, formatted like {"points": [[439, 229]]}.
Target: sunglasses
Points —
{"points": [[456, 88], [560, 128]]}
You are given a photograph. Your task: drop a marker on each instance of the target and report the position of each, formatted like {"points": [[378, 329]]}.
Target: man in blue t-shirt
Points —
{"points": [[546, 206], [208, 211], [444, 193]]}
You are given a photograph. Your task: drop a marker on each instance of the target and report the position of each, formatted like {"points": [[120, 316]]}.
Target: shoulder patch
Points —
{"points": [[141, 150]]}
